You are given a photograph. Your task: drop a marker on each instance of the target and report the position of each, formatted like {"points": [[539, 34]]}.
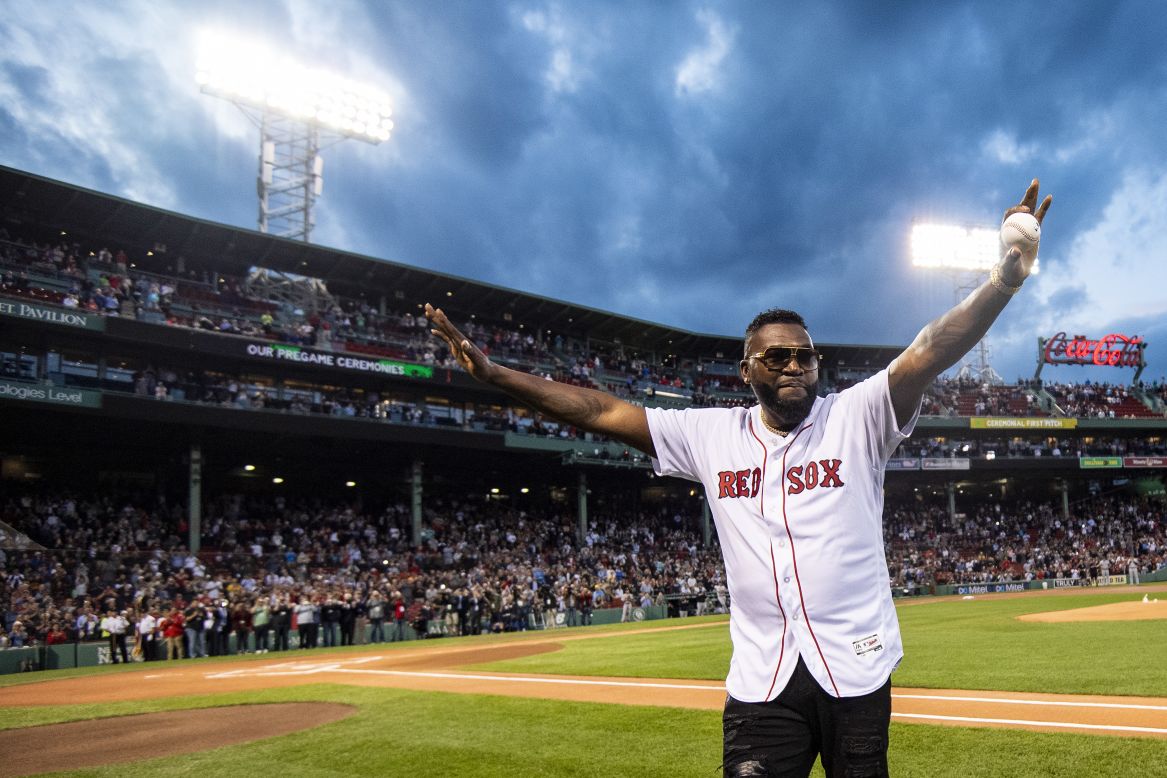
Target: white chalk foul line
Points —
{"points": [[322, 668], [1023, 722], [528, 679], [1052, 703], [291, 668], [650, 685]]}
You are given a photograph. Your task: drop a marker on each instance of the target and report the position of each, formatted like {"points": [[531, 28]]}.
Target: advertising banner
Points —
{"points": [[944, 464], [1063, 583], [989, 588], [1097, 463], [902, 463], [1113, 350], [1020, 423], [56, 395], [1144, 461], [52, 314], [285, 353]]}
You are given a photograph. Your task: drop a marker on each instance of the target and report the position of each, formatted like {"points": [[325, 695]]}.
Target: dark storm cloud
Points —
{"points": [[564, 149]]}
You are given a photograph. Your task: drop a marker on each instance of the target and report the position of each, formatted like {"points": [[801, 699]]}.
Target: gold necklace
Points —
{"points": [[772, 428]]}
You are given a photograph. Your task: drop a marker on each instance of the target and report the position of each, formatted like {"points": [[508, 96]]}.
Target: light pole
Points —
{"points": [[299, 112], [967, 254]]}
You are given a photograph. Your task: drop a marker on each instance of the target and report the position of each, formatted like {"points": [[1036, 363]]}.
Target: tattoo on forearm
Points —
{"points": [[950, 337], [573, 405], [580, 411]]}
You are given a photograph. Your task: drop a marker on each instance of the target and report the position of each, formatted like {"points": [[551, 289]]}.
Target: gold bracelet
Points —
{"points": [[999, 283]]}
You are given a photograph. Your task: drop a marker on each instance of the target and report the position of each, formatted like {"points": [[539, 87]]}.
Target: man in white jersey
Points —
{"points": [[795, 485]]}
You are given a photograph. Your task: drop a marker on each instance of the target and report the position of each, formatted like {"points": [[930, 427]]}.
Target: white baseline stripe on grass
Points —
{"points": [[313, 670], [527, 679], [1062, 724], [1054, 703]]}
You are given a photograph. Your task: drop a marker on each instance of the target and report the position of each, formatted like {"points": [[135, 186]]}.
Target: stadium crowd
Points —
{"points": [[483, 567], [1106, 536], [116, 569]]}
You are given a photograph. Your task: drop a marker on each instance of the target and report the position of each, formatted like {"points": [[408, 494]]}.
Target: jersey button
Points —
{"points": [[786, 579], [782, 544], [796, 617]]}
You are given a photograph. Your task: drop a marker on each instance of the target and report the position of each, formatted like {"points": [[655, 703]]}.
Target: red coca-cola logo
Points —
{"points": [[1113, 350]]}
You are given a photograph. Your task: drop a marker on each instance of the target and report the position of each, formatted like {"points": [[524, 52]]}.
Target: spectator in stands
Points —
{"points": [[18, 636]]}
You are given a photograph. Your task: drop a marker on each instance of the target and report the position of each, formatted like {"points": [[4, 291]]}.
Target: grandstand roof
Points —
{"points": [[26, 198]]}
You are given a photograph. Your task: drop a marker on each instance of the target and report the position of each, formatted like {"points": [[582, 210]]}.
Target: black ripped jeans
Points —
{"points": [[781, 738]]}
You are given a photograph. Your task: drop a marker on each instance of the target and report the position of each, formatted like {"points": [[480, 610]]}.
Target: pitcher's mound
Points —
{"points": [[53, 747], [1116, 611]]}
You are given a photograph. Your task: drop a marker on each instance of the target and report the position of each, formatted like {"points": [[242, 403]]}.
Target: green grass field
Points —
{"points": [[955, 644], [948, 644]]}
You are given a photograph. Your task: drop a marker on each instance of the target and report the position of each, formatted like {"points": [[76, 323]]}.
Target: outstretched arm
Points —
{"points": [[949, 337], [584, 408]]}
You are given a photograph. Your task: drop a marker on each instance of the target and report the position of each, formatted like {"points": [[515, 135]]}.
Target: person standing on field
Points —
{"points": [[172, 632], [146, 626], [795, 485], [261, 622]]}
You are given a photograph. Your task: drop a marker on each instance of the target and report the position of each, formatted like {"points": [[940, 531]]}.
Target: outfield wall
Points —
{"points": [[1049, 583]]}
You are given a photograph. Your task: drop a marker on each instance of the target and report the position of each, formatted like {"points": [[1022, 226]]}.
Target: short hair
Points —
{"points": [[774, 316]]}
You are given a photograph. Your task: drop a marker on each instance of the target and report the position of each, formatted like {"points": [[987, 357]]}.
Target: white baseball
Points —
{"points": [[1023, 231]]}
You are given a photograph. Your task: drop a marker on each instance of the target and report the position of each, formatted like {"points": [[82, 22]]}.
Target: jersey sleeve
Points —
{"points": [[672, 435], [870, 400]]}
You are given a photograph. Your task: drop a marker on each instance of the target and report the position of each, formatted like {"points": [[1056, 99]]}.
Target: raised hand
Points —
{"points": [[469, 356], [1017, 265]]}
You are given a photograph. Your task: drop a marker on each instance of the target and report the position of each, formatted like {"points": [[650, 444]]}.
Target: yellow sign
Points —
{"points": [[1090, 463], [1020, 423]]}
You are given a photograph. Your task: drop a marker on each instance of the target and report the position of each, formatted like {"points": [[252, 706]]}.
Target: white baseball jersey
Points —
{"points": [[800, 523]]}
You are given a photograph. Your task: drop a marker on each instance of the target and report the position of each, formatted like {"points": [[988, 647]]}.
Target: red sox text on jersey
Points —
{"points": [[746, 483]]}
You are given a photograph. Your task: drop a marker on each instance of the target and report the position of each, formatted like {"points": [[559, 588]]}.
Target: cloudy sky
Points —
{"points": [[689, 163]]}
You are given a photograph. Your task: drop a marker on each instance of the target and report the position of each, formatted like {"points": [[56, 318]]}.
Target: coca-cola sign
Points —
{"points": [[1113, 350]]}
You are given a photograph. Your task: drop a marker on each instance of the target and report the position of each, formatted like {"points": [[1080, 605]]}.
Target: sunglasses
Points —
{"points": [[778, 357]]}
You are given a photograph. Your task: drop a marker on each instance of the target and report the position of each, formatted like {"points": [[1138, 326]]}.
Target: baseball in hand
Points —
{"points": [[1023, 231]]}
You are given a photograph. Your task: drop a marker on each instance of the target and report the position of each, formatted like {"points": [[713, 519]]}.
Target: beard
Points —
{"points": [[788, 413]]}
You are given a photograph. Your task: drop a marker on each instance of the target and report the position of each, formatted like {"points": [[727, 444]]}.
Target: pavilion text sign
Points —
{"points": [[52, 314], [1113, 350]]}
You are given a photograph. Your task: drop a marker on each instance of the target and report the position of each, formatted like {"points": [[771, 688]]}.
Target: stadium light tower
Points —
{"points": [[299, 111], [966, 254]]}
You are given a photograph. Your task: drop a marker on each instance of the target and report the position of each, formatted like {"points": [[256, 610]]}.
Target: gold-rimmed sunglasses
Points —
{"points": [[778, 357]]}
